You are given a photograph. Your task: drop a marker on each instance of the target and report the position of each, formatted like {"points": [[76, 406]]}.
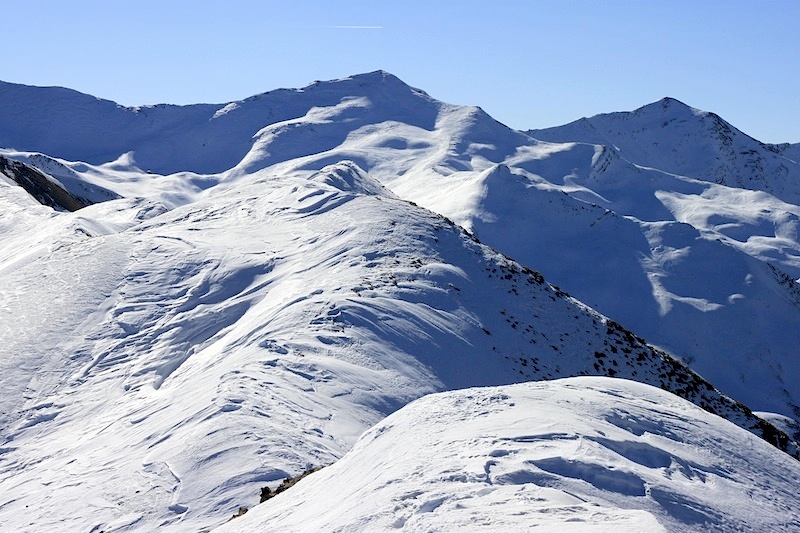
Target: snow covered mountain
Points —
{"points": [[177, 353], [253, 287], [673, 137], [578, 454], [203, 138]]}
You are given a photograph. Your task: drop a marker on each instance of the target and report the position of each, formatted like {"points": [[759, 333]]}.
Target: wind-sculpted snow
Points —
{"points": [[268, 291], [640, 245], [579, 454], [244, 337]]}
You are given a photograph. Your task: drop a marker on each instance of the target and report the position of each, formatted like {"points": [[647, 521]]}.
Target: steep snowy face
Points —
{"points": [[640, 245], [700, 269], [267, 291], [160, 367], [673, 137], [579, 454], [711, 281]]}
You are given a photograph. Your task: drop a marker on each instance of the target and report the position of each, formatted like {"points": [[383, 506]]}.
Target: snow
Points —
{"points": [[258, 287], [673, 137], [594, 223], [577, 454], [202, 138], [189, 359]]}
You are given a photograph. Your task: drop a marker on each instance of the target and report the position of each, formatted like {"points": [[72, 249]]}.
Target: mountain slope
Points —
{"points": [[202, 138], [240, 311], [42, 187], [186, 358], [630, 241], [673, 137], [627, 240], [578, 454]]}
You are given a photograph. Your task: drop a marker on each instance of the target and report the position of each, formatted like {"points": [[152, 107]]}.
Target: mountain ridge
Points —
{"points": [[317, 324], [728, 156], [109, 130], [203, 333], [512, 458], [436, 154]]}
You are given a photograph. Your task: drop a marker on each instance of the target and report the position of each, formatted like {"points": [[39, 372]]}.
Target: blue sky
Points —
{"points": [[528, 63]]}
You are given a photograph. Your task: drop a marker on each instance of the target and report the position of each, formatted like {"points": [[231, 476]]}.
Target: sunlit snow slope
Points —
{"points": [[160, 367], [673, 137], [578, 454], [252, 288]]}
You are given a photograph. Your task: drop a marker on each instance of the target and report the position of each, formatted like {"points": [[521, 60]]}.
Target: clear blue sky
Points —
{"points": [[528, 63]]}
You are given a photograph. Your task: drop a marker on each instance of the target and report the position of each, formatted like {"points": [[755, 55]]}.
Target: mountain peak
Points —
{"points": [[217, 136], [376, 78], [375, 75], [668, 105], [269, 290], [669, 101]]}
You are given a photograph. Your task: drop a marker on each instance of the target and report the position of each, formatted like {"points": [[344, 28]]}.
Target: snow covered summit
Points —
{"points": [[202, 138], [673, 137], [257, 283]]}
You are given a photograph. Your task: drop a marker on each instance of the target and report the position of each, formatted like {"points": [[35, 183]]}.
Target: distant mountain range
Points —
{"points": [[675, 138], [197, 302]]}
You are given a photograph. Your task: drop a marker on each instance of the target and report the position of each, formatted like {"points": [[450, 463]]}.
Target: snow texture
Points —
{"points": [[577, 454], [257, 283]]}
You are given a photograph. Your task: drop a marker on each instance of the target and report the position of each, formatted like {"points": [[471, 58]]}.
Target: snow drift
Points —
{"points": [[578, 454], [257, 283]]}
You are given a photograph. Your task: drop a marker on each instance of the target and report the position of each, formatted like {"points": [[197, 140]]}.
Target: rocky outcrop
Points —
{"points": [[45, 189]]}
